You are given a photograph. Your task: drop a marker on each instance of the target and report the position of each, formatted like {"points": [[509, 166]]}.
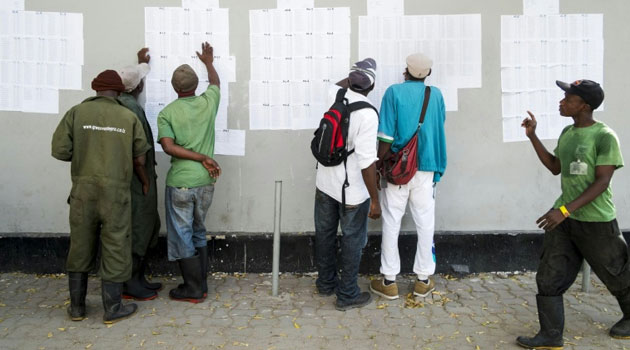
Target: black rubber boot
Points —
{"points": [[77, 282], [134, 288], [203, 255], [551, 317], [190, 290], [621, 329], [156, 286], [112, 303]]}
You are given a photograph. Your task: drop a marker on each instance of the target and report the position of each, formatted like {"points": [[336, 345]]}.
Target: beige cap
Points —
{"points": [[184, 79], [132, 75], [419, 65]]}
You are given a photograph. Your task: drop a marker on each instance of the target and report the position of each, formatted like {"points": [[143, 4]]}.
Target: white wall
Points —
{"points": [[488, 186]]}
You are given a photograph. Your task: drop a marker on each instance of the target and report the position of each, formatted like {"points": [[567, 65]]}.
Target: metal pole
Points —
{"points": [[275, 269], [586, 277]]}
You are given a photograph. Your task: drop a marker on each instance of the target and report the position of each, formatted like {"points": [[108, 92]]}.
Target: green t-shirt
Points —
{"points": [[189, 121], [100, 137], [580, 150]]}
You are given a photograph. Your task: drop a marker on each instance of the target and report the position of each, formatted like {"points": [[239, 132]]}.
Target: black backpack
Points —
{"points": [[330, 143]]}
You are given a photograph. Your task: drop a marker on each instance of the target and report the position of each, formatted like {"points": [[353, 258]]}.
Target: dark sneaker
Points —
{"points": [[325, 293], [362, 300]]}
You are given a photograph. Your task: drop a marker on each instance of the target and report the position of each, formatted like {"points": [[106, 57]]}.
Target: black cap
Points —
{"points": [[590, 91]]}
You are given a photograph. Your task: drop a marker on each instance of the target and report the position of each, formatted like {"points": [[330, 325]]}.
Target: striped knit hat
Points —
{"points": [[362, 74]]}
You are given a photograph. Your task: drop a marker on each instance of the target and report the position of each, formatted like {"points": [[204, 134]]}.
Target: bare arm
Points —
{"points": [[547, 158], [177, 151], [383, 149], [369, 178], [138, 168], [603, 175], [207, 57]]}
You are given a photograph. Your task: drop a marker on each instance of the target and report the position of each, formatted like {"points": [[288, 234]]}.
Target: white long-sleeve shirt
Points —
{"points": [[362, 138]]}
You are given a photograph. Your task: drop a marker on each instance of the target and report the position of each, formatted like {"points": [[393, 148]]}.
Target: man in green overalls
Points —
{"points": [[145, 220], [105, 143]]}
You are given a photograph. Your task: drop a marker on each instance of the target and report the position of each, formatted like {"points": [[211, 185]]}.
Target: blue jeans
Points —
{"points": [[328, 216], [186, 210]]}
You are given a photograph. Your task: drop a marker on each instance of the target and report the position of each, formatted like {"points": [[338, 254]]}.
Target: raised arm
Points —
{"points": [[207, 57], [142, 55], [550, 161]]}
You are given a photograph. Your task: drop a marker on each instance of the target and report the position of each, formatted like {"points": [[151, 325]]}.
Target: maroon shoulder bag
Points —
{"points": [[400, 167]]}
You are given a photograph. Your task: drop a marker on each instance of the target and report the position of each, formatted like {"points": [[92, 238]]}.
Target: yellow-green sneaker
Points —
{"points": [[422, 289], [379, 288]]}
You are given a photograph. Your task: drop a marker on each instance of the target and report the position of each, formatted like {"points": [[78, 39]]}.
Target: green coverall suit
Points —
{"points": [[100, 137], [144, 213]]}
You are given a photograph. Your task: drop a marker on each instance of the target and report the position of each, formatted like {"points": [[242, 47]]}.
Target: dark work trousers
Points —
{"points": [[329, 215], [600, 243], [102, 213], [145, 220]]}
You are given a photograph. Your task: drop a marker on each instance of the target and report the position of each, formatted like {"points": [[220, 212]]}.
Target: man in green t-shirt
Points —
{"points": [[186, 133], [106, 145], [582, 223], [145, 220]]}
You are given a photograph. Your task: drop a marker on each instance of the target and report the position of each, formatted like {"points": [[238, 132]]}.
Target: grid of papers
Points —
{"points": [[453, 42], [40, 53], [173, 35], [535, 52], [10, 5], [295, 54], [385, 8], [541, 7]]}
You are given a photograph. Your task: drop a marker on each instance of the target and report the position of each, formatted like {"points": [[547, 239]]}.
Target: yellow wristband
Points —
{"points": [[564, 211]]}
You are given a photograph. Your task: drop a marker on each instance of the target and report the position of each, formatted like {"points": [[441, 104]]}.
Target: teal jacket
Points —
{"points": [[398, 121]]}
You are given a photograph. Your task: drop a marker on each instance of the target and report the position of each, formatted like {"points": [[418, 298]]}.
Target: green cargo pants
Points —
{"points": [[145, 218], [99, 211]]}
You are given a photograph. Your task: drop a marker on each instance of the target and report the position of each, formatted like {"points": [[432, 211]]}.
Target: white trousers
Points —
{"points": [[419, 193]]}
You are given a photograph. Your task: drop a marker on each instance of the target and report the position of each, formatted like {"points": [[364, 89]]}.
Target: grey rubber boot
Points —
{"points": [[190, 290], [77, 283], [156, 286], [115, 311], [135, 288], [621, 329], [551, 317], [203, 255]]}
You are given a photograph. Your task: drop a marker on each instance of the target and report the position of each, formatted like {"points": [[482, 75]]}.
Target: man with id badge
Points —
{"points": [[582, 224]]}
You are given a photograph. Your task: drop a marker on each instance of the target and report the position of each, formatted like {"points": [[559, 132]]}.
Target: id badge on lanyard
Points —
{"points": [[578, 168]]}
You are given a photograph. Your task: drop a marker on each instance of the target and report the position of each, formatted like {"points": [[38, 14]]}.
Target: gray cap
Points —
{"points": [[132, 75], [184, 79]]}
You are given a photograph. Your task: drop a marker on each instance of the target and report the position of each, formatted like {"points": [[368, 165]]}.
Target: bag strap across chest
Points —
{"points": [[425, 104]]}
